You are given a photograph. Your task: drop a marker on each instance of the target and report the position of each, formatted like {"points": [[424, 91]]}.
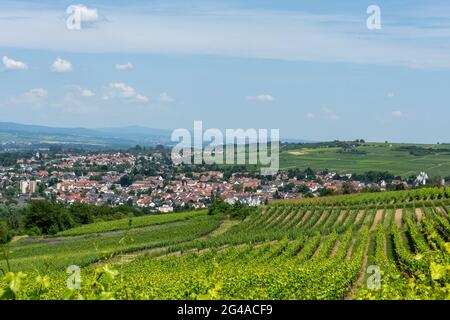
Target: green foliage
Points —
{"points": [[218, 206], [5, 234], [237, 210], [48, 218]]}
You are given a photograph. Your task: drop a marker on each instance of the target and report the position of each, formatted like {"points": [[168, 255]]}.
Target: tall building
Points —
{"points": [[32, 186], [28, 186], [23, 186]]}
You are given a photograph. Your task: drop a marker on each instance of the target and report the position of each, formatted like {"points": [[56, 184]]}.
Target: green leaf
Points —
{"points": [[438, 271], [447, 246]]}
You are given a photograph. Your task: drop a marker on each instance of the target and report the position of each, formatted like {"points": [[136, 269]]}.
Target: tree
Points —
{"points": [[5, 235], [238, 187], [81, 213], [10, 192], [310, 173], [125, 181], [436, 181], [325, 192], [48, 217], [347, 188], [218, 206]]}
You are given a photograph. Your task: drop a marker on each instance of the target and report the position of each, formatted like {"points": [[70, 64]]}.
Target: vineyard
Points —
{"points": [[392, 245]]}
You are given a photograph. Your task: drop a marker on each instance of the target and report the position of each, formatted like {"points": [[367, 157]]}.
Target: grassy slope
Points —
{"points": [[59, 253], [131, 223], [380, 157]]}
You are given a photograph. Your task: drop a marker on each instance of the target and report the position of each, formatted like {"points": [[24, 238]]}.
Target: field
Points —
{"points": [[382, 156], [392, 245]]}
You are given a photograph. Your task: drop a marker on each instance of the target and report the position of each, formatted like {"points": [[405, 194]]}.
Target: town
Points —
{"points": [[148, 180]]}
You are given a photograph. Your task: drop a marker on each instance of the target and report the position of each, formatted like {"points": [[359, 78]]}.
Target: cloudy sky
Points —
{"points": [[311, 68]]}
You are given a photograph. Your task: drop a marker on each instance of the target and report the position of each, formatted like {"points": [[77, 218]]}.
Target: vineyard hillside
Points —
{"points": [[391, 245]]}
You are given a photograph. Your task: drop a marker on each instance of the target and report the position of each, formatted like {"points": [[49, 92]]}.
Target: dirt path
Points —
{"points": [[398, 217], [335, 248], [349, 216], [319, 247], [385, 248], [289, 217], [323, 216], [341, 216], [307, 214], [360, 215], [276, 219], [291, 222], [18, 238], [419, 214], [362, 274], [224, 227], [441, 211], [377, 219], [348, 255]]}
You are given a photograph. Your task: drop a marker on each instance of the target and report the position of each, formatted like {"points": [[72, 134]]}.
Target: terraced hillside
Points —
{"points": [[368, 246]]}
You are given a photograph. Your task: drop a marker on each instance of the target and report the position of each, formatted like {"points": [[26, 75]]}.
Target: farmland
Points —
{"points": [[322, 248], [394, 158]]}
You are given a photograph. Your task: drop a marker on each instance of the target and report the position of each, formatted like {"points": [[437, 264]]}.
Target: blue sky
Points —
{"points": [[310, 68]]}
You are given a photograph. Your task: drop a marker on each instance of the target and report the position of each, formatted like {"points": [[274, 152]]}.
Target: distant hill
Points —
{"points": [[134, 132], [23, 134], [17, 135]]}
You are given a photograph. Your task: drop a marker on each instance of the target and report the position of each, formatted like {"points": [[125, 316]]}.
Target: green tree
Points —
{"points": [[125, 181], [48, 217], [5, 235], [347, 188]]}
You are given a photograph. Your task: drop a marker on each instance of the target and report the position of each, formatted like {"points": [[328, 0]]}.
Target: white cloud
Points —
{"points": [[87, 93], [87, 14], [11, 64], [80, 91], [125, 66], [125, 91], [141, 98], [164, 97], [310, 116], [270, 34], [390, 95], [331, 114], [261, 98], [61, 66], [32, 98], [37, 93], [397, 113]]}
